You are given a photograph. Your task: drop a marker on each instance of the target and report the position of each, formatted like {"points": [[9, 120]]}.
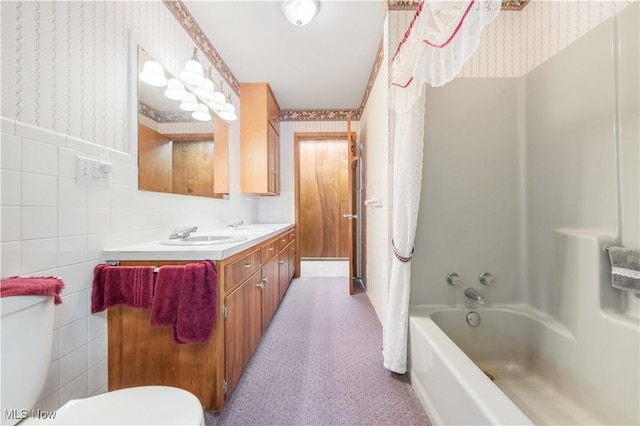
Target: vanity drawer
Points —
{"points": [[236, 272], [292, 250], [292, 235], [268, 250], [283, 240]]}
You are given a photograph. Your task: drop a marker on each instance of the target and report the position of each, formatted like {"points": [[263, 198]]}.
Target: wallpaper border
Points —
{"points": [[184, 17]]}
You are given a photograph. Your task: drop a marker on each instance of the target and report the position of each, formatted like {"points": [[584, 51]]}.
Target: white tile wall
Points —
{"points": [[51, 226]]}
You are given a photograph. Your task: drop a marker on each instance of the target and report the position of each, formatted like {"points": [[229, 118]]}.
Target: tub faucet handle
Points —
{"points": [[486, 278], [453, 279]]}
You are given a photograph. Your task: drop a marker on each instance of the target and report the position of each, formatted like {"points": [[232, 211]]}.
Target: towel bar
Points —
{"points": [[117, 263]]}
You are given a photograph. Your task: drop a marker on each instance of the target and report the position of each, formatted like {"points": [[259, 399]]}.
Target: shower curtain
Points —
{"points": [[438, 42]]}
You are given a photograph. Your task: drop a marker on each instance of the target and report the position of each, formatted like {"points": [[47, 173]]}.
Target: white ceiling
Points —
{"points": [[323, 65]]}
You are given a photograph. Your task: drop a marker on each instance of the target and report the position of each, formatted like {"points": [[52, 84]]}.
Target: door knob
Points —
{"points": [[350, 216]]}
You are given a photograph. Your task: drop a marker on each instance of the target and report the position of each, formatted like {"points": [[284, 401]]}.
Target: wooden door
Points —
{"points": [[350, 216], [324, 197], [243, 327]]}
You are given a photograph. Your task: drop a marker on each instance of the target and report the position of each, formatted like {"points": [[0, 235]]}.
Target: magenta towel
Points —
{"points": [[32, 286], [185, 298], [121, 285]]}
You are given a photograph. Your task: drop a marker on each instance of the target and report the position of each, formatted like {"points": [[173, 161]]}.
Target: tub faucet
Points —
{"points": [[474, 295]]}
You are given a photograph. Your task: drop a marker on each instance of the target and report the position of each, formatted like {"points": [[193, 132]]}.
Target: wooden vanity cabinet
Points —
{"points": [[259, 140], [243, 328], [286, 263], [270, 291], [249, 291]]}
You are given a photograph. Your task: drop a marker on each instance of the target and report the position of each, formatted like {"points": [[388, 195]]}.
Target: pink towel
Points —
{"points": [[185, 298], [32, 286], [121, 285]]}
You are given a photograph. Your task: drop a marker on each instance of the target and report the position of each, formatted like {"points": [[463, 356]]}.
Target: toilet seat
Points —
{"points": [[143, 405]]}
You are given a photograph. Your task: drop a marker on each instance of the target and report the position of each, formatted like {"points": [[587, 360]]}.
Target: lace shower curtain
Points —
{"points": [[438, 42]]}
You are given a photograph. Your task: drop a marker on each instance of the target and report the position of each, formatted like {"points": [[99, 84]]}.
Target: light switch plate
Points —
{"points": [[93, 172]]}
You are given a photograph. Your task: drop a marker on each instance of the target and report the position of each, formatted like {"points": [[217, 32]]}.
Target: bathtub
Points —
{"points": [[517, 367]]}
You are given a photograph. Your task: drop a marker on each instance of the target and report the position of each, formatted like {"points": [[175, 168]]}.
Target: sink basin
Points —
{"points": [[204, 240]]}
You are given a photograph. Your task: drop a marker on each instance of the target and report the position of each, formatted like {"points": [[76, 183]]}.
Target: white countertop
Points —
{"points": [[155, 251]]}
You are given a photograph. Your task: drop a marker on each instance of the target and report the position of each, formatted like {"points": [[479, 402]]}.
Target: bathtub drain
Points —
{"points": [[473, 319]]}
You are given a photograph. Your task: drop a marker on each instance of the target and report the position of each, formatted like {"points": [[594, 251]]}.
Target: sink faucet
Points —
{"points": [[235, 225], [183, 233], [474, 295]]}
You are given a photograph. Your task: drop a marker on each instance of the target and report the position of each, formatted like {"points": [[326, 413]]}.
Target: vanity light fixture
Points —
{"points": [[193, 72], [299, 12], [229, 112], [201, 113], [153, 74], [218, 100], [205, 88], [175, 90], [189, 102]]}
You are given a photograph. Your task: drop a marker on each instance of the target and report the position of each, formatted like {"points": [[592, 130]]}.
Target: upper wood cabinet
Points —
{"points": [[259, 140]]}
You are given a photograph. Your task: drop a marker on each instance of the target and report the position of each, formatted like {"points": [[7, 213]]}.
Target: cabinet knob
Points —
{"points": [[281, 262], [248, 265], [261, 285]]}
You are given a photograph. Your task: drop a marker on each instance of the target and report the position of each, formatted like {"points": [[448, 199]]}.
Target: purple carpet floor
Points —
{"points": [[320, 363]]}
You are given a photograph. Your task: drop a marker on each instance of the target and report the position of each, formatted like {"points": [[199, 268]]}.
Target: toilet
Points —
{"points": [[26, 332]]}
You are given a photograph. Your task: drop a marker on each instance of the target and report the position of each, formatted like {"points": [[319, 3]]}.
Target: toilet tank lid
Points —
{"points": [[11, 304], [143, 405]]}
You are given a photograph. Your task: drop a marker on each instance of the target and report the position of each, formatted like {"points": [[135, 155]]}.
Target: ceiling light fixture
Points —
{"points": [[189, 102], [175, 90], [153, 74], [229, 112], [299, 12], [205, 88], [218, 100], [193, 72], [201, 113]]}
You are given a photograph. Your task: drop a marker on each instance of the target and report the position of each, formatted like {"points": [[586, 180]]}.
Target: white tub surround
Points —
{"points": [[580, 368], [154, 250]]}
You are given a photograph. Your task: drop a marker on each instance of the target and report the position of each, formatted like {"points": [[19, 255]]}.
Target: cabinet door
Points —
{"points": [[270, 291], [273, 111], [273, 162], [292, 261], [243, 327], [283, 273]]}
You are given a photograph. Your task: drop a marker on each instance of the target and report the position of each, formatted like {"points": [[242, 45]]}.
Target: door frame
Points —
{"points": [[305, 136]]}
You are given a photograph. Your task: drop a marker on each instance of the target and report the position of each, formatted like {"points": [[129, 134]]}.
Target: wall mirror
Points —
{"points": [[178, 153]]}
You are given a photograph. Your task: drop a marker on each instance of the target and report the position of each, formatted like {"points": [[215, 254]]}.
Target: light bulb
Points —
{"points": [[175, 90], [201, 113], [193, 72], [204, 89], [229, 113], [217, 102], [189, 102], [153, 74]]}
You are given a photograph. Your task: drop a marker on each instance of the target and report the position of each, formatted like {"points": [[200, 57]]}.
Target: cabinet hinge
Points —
{"points": [[225, 313], [224, 387]]}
